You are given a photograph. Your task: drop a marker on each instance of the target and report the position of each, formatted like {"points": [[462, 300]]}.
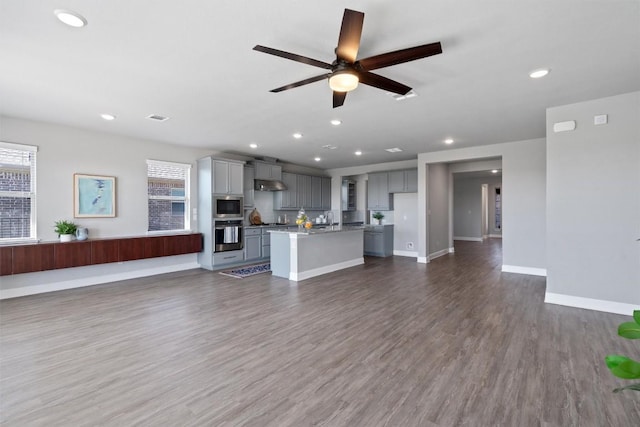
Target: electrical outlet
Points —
{"points": [[409, 245]]}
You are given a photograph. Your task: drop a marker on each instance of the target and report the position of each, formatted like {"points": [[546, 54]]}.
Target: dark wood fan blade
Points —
{"points": [[292, 56], [383, 83], [400, 56], [338, 98], [301, 82], [350, 32]]}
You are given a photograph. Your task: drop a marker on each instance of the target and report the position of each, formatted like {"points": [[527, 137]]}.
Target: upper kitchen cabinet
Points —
{"points": [[304, 191], [268, 171], [228, 177], [326, 193], [287, 199], [403, 181], [309, 192], [379, 198], [249, 176]]}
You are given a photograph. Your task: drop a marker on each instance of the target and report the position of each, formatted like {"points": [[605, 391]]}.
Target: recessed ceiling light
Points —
{"points": [[448, 141], [494, 171], [157, 117], [253, 145], [107, 116], [336, 122], [317, 159], [393, 150], [70, 18], [297, 135], [536, 74], [358, 153]]}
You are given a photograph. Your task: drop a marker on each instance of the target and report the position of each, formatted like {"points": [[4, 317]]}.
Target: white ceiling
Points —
{"points": [[193, 61]]}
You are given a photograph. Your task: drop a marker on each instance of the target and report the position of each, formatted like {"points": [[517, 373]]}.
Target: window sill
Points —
{"points": [[168, 232], [14, 242]]}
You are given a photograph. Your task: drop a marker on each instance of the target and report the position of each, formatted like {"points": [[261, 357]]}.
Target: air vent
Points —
{"points": [[329, 147], [157, 118], [393, 150], [398, 97]]}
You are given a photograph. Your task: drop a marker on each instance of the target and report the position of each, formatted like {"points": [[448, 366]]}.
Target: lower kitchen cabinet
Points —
{"points": [[252, 244], [378, 240]]}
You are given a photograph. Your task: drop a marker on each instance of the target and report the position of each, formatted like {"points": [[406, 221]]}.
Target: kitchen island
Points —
{"points": [[299, 255]]}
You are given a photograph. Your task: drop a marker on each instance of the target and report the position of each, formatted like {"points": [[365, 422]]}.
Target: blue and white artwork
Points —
{"points": [[94, 196]]}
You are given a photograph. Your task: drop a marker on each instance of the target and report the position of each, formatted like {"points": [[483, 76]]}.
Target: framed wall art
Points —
{"points": [[94, 196]]}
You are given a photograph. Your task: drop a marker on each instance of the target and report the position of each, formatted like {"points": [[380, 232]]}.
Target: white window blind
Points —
{"points": [[17, 192], [168, 191]]}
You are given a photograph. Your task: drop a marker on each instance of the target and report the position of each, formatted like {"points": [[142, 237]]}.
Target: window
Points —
{"points": [[17, 192], [168, 190]]}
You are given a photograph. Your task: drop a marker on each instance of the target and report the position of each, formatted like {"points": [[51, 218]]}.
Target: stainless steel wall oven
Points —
{"points": [[227, 235]]}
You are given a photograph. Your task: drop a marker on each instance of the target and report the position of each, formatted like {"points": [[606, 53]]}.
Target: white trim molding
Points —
{"points": [[438, 254], [423, 260], [411, 254], [495, 236], [591, 304], [468, 239], [307, 274], [532, 271], [93, 280]]}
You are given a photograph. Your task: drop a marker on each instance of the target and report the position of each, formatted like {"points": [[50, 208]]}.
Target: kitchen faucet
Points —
{"points": [[329, 215]]}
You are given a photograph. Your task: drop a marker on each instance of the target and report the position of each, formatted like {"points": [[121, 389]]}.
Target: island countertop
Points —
{"points": [[324, 230]]}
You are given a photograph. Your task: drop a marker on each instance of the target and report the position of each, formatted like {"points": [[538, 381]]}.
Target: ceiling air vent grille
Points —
{"points": [[157, 118], [398, 97]]}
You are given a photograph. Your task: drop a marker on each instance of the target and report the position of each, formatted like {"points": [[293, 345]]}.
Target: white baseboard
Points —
{"points": [[452, 250], [495, 236], [438, 254], [591, 304], [423, 260], [468, 239], [324, 270], [524, 270], [94, 280], [411, 254]]}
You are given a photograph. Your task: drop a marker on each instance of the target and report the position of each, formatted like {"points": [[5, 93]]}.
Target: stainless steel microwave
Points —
{"points": [[228, 207]]}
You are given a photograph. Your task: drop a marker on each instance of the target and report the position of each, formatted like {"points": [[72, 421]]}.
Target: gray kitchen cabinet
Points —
{"points": [[228, 177], [304, 191], [379, 198], [287, 199], [316, 192], [249, 176], [326, 193], [268, 171], [266, 243], [252, 246], [378, 240], [403, 181]]}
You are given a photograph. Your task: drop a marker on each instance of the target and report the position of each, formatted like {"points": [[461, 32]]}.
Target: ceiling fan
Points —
{"points": [[346, 71]]}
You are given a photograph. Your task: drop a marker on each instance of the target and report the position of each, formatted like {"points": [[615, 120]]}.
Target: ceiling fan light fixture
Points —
{"points": [[343, 81]]}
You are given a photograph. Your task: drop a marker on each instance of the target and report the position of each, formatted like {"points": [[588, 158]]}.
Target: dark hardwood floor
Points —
{"points": [[388, 343]]}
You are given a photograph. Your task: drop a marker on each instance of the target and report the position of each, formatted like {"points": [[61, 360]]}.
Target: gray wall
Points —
{"points": [[523, 187], [593, 201], [467, 205], [438, 207], [64, 151]]}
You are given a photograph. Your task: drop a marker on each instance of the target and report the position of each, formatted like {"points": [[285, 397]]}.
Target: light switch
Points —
{"points": [[600, 120]]}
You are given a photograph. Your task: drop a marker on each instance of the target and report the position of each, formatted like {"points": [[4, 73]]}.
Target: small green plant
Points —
{"points": [[378, 215], [65, 227], [622, 366]]}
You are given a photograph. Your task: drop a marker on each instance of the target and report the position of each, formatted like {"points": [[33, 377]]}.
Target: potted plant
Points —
{"points": [[66, 230], [378, 216], [622, 366]]}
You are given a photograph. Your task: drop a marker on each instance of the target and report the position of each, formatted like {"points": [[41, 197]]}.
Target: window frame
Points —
{"points": [[31, 194], [186, 199]]}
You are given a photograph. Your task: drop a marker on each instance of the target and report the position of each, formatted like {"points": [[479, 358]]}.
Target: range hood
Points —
{"points": [[268, 185]]}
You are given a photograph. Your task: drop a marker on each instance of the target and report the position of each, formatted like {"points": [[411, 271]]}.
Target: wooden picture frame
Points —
{"points": [[94, 196]]}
